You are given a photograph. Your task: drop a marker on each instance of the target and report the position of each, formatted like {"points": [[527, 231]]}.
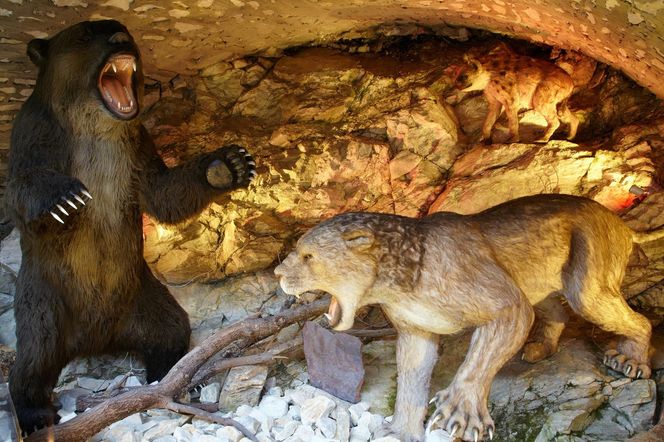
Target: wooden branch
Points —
{"points": [[216, 367], [372, 333], [175, 383]]}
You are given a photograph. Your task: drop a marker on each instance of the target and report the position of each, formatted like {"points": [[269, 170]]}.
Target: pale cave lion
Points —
{"points": [[82, 169], [494, 271]]}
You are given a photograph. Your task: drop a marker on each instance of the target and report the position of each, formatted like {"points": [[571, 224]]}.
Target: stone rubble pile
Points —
{"points": [[300, 414]]}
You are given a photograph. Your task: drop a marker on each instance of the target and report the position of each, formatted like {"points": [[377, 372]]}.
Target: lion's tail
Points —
{"points": [[647, 236]]}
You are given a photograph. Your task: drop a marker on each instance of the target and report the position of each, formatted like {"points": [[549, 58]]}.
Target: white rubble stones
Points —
{"points": [[210, 393], [162, 428], [327, 427], [343, 424], [356, 411], [264, 420], [284, 431], [231, 434], [273, 406], [249, 423], [295, 415], [316, 408], [370, 421], [434, 436]]}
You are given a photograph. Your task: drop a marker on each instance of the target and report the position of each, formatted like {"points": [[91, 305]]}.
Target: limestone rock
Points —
{"points": [[281, 433], [210, 393], [230, 433], [243, 386], [249, 423], [316, 408], [273, 406], [437, 436]]}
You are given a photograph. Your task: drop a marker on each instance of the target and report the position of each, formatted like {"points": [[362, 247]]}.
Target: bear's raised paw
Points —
{"points": [[231, 167]]}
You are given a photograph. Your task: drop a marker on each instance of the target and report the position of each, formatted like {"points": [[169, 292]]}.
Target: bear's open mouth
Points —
{"points": [[333, 314], [116, 85]]}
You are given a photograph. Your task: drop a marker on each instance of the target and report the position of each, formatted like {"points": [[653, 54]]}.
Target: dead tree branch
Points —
{"points": [[215, 367], [177, 380]]}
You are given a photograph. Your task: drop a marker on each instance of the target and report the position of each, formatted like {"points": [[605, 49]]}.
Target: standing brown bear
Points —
{"points": [[82, 169]]}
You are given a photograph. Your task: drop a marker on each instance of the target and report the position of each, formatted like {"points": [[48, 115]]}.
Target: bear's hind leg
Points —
{"points": [[550, 320], [40, 353], [157, 328]]}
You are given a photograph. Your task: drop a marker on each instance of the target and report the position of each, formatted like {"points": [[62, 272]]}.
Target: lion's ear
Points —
{"points": [[359, 238], [37, 51]]}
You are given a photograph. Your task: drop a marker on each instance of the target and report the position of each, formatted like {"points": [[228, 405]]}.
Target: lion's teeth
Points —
{"points": [[328, 316], [134, 66], [114, 68]]}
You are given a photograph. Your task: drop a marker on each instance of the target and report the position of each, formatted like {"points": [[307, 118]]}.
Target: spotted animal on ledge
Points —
{"points": [[512, 83]]}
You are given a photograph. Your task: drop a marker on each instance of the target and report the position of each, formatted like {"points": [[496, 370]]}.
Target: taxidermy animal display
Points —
{"points": [[82, 169], [495, 271], [513, 82]]}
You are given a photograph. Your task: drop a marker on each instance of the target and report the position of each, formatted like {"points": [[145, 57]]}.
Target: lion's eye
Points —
{"points": [[307, 256]]}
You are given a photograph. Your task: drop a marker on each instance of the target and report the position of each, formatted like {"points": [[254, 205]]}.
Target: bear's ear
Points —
{"points": [[358, 238], [37, 51]]}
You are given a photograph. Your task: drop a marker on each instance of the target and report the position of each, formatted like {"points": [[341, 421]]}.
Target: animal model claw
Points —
{"points": [[57, 218], [78, 198], [68, 201]]}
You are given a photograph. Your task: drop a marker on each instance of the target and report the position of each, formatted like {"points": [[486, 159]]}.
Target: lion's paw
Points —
{"points": [[623, 364], [462, 413]]}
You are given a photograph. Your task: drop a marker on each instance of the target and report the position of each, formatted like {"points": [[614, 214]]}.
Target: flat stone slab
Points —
{"points": [[334, 361], [243, 386]]}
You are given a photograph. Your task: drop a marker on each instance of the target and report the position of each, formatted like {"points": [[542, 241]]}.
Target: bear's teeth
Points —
{"points": [[134, 66], [114, 68]]}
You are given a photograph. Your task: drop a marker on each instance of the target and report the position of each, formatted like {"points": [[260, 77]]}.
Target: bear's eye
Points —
{"points": [[307, 256], [85, 37]]}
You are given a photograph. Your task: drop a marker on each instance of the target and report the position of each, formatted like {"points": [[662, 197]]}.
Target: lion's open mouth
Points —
{"points": [[116, 85], [333, 314]]}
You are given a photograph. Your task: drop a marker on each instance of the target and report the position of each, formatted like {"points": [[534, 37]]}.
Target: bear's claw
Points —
{"points": [[231, 167], [57, 210]]}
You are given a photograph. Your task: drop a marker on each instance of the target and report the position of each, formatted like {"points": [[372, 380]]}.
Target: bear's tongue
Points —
{"points": [[115, 84], [333, 314]]}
